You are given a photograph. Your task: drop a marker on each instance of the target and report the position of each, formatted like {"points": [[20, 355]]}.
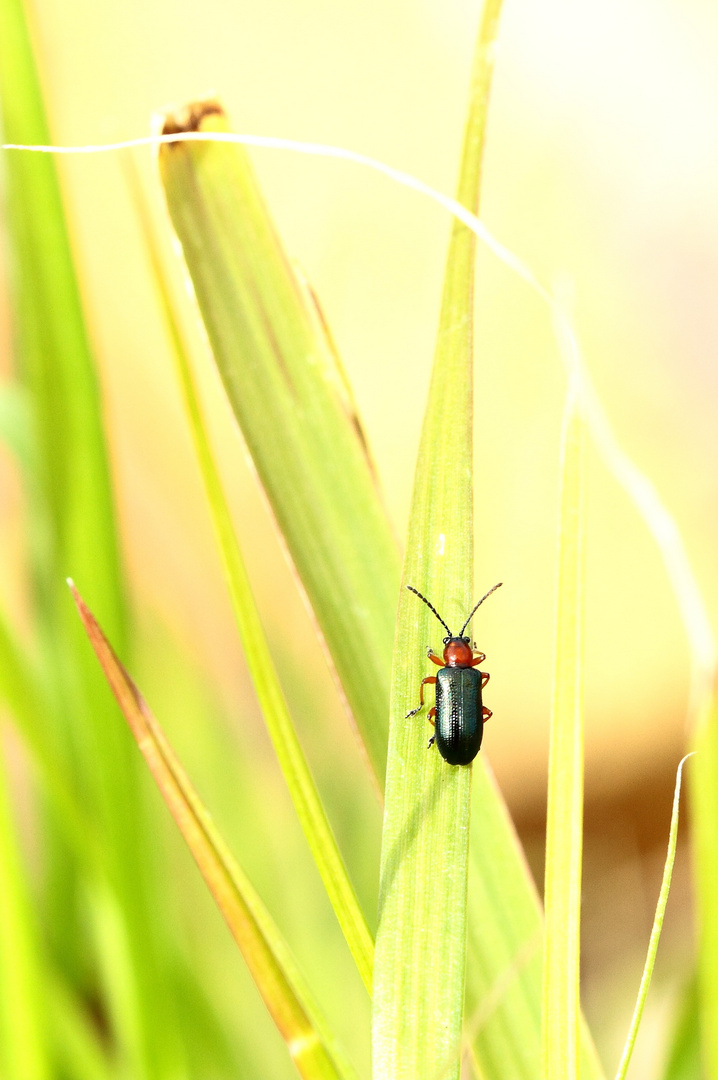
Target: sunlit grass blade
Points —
{"points": [[506, 932], [311, 1047], [23, 1020], [562, 888], [703, 707], [282, 381], [295, 768], [655, 931], [503, 985], [421, 939], [704, 802]]}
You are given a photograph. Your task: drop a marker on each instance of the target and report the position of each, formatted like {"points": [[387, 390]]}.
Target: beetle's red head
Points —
{"points": [[458, 652]]}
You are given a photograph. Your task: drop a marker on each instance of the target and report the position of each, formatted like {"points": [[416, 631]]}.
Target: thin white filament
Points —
{"points": [[640, 489]]}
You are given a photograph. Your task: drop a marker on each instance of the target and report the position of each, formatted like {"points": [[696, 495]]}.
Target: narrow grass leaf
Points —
{"points": [[23, 691], [562, 890], [23, 1021], [505, 962], [295, 768], [311, 1047], [72, 530], [421, 939], [704, 803], [655, 931], [54, 357], [281, 377]]}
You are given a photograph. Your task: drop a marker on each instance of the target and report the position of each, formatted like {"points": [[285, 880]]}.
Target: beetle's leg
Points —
{"points": [[478, 659], [428, 679], [431, 713], [486, 713], [431, 740], [484, 678], [434, 658]]}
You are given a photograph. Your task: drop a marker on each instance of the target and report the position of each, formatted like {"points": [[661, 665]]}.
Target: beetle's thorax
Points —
{"points": [[458, 653]]}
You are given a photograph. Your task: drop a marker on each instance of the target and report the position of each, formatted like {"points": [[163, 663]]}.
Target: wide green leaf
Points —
{"points": [[295, 768], [421, 938], [290, 397]]}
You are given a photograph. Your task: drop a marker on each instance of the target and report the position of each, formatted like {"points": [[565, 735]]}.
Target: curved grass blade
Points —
{"points": [[273, 704], [704, 801], [281, 378], [421, 939], [656, 929], [313, 1050], [562, 889]]}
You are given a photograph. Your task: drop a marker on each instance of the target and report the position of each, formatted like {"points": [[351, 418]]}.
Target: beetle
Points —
{"points": [[459, 711]]}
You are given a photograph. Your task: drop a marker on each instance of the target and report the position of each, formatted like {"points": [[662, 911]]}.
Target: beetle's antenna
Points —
{"points": [[432, 608], [461, 631]]}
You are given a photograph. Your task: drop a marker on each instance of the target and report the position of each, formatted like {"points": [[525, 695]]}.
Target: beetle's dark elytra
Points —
{"points": [[459, 718], [459, 710]]}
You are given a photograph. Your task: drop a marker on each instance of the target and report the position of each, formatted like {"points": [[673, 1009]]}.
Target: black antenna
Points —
{"points": [[432, 608], [461, 631]]}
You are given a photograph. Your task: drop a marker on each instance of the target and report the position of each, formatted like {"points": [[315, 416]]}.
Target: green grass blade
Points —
{"points": [[55, 360], [562, 889], [506, 932], [421, 940], [267, 957], [22, 690], [655, 931], [684, 1054], [23, 1035], [282, 380], [295, 768], [704, 802], [72, 530], [79, 1047], [503, 987]]}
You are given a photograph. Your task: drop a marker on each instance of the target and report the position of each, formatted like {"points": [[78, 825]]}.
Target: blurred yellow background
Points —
{"points": [[601, 170]]}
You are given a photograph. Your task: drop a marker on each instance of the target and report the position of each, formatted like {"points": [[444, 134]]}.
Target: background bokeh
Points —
{"points": [[601, 172]]}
